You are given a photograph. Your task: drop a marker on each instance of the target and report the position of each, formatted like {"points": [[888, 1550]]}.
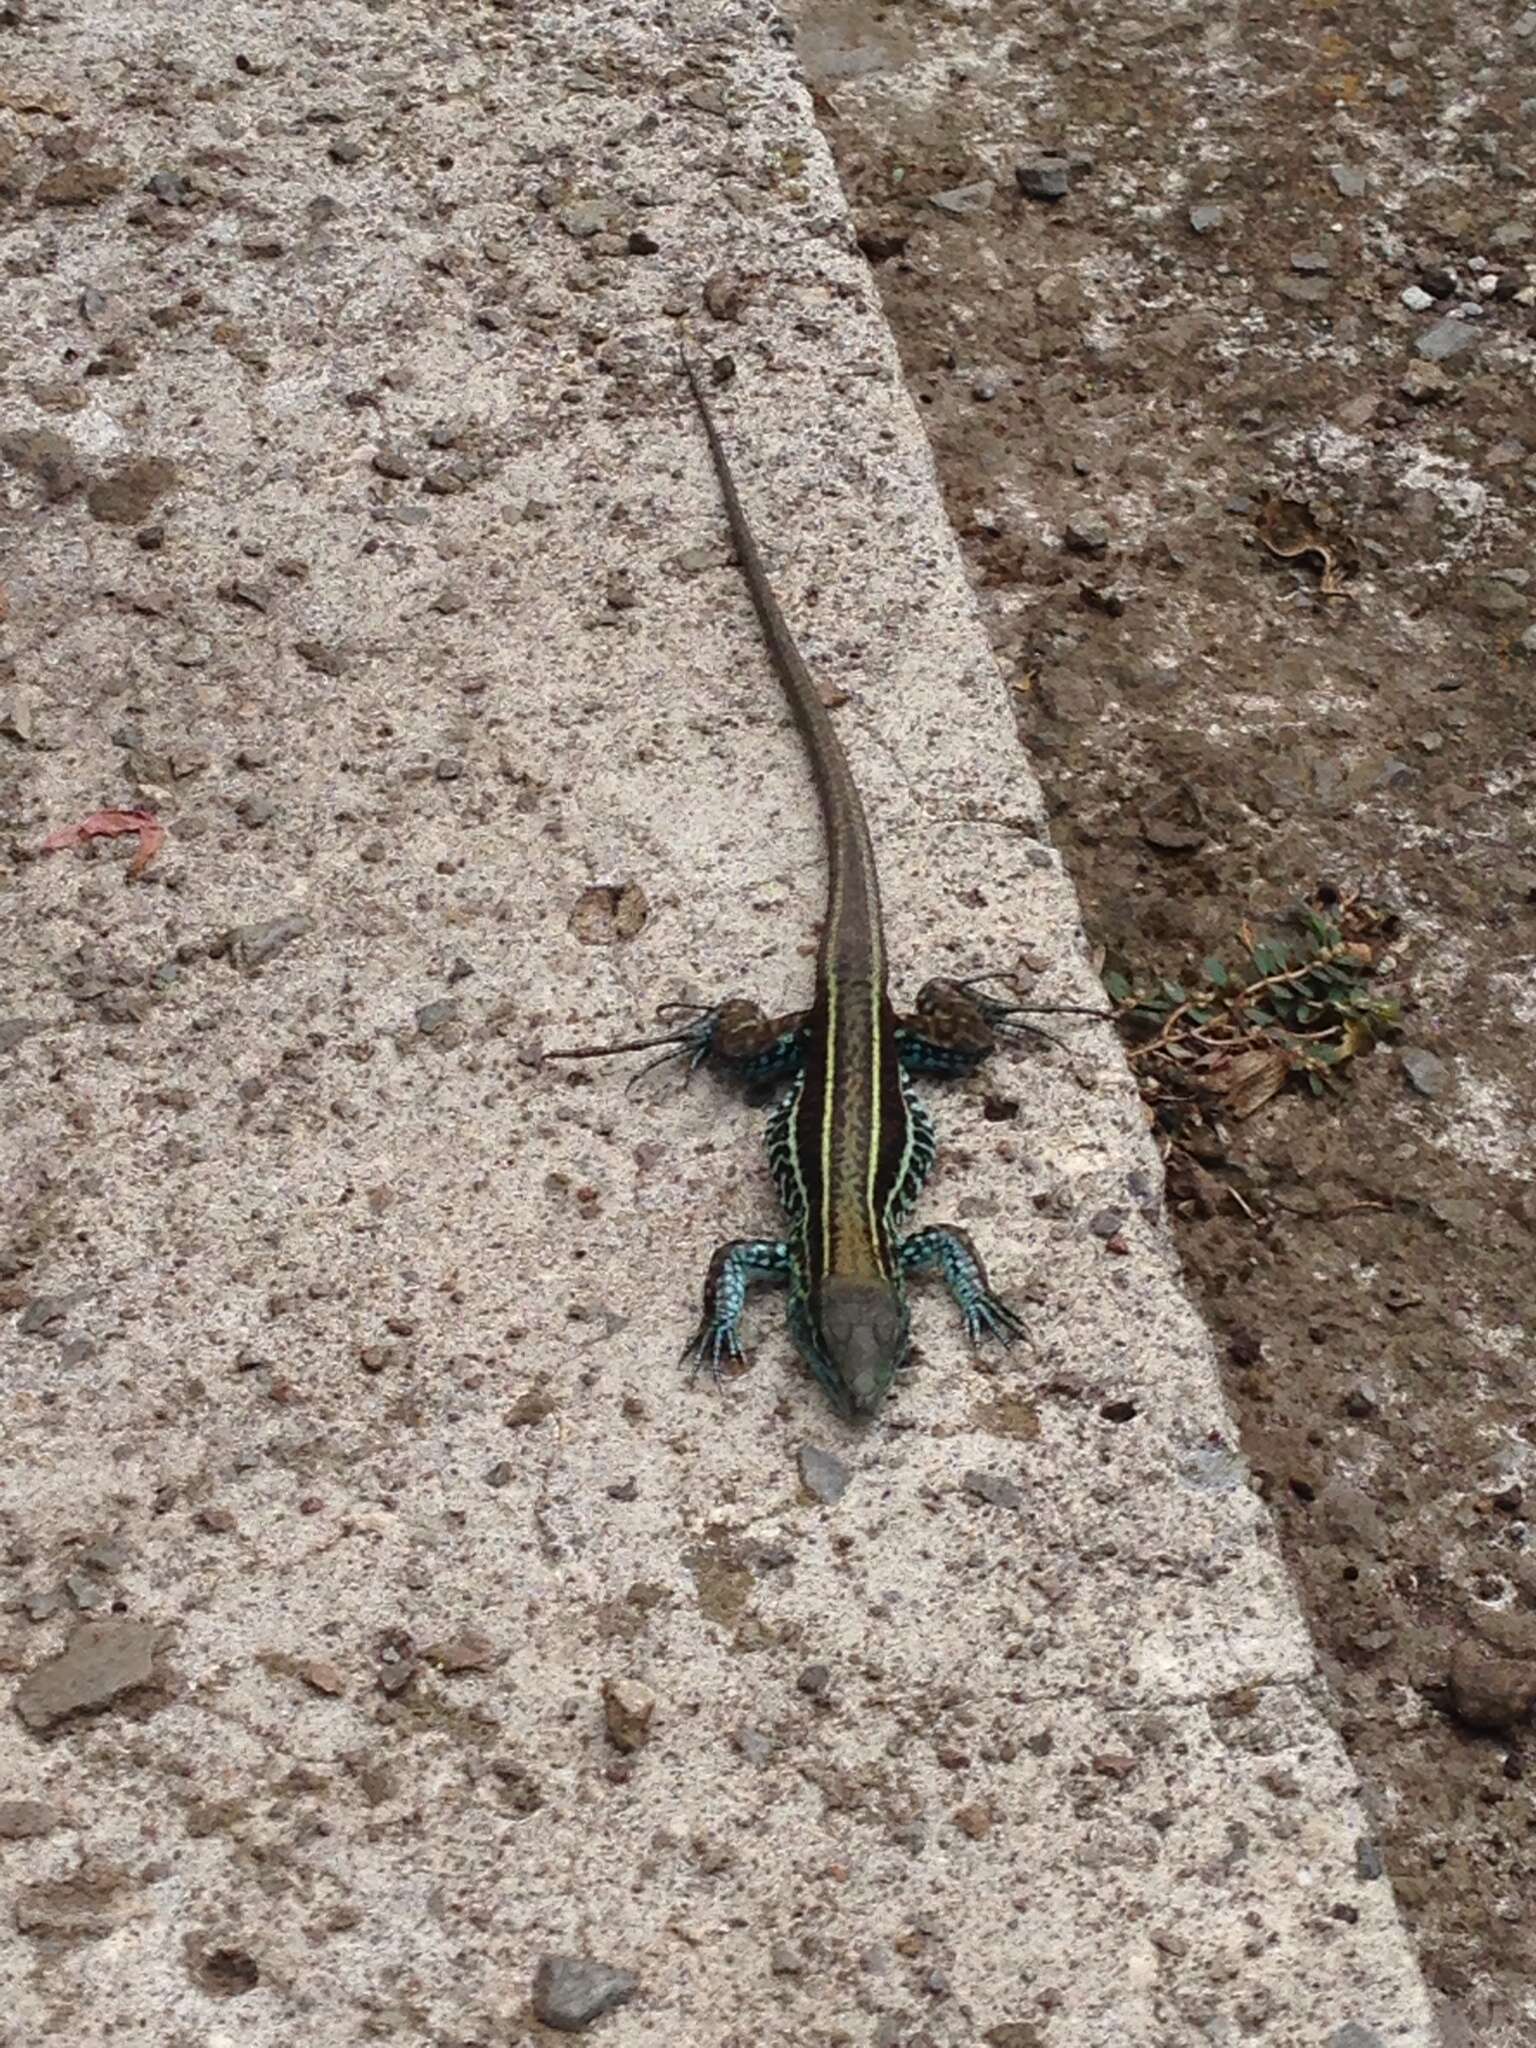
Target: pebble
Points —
{"points": [[1311, 262], [1049, 178], [470, 1650], [1206, 219], [1427, 1075], [1416, 299], [433, 1016], [961, 200], [1423, 383], [570, 1992], [628, 1710], [252, 945], [1348, 181], [102, 1662], [1445, 339], [22, 1819], [1107, 1222], [823, 1476], [1086, 535], [1489, 1691], [997, 1493]]}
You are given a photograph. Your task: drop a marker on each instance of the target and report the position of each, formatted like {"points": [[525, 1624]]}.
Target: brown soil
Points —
{"points": [[1367, 1260]]}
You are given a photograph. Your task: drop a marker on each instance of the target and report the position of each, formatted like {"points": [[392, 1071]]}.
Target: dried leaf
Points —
{"points": [[112, 825], [1249, 1079]]}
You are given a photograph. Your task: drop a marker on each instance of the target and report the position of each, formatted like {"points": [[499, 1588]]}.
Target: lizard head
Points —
{"points": [[857, 1340]]}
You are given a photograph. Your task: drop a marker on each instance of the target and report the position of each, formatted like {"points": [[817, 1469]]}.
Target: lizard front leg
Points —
{"points": [[732, 1271], [951, 1253], [953, 1027]]}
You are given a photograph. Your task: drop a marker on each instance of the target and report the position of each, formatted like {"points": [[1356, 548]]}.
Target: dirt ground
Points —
{"points": [[1212, 309]]}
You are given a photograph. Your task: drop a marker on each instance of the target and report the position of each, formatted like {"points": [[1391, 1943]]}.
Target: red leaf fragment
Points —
{"points": [[111, 825]]}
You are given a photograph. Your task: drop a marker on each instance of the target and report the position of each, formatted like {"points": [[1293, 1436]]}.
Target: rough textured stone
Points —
{"points": [[570, 1992], [102, 1663]]}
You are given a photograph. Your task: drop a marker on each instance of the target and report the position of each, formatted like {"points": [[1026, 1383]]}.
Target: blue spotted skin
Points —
{"points": [[870, 1324]]}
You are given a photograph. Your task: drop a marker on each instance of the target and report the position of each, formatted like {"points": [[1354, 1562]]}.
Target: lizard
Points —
{"points": [[850, 1144]]}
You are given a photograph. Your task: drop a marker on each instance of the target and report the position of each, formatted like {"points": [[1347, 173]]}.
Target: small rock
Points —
{"points": [[1107, 1222], [17, 705], [321, 1676], [815, 1681], [1206, 219], [1416, 299], [628, 1709], [1311, 262], [1489, 1691], [76, 1908], [22, 1819], [823, 1476], [326, 661], [170, 188], [13, 1030], [1305, 291], [80, 184], [47, 458], [1490, 597], [570, 1992], [346, 149], [131, 492], [1445, 339], [1348, 182], [586, 217], [500, 1474], [961, 200], [1171, 835], [391, 463], [103, 1662], [1085, 534], [996, 1492], [433, 1016], [1049, 178], [639, 243], [1369, 1861], [1427, 1074], [470, 1650], [255, 811], [250, 946], [44, 1315], [1425, 384]]}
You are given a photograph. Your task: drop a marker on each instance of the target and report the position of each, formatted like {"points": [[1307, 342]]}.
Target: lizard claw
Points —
{"points": [[710, 1347]]}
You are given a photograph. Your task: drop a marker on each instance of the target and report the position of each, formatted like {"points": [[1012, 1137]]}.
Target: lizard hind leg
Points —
{"points": [[954, 1025], [737, 1034]]}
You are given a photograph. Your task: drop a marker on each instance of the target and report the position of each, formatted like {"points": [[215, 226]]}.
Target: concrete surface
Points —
{"points": [[418, 1618]]}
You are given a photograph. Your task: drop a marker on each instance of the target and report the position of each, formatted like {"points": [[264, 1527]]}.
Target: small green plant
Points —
{"points": [[1229, 1038]]}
